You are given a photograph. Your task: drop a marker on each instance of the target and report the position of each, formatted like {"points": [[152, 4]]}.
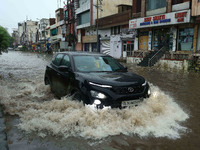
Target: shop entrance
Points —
{"points": [[128, 47], [143, 40], [162, 38]]}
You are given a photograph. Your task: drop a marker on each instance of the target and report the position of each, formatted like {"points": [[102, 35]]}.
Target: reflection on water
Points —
{"points": [[23, 93]]}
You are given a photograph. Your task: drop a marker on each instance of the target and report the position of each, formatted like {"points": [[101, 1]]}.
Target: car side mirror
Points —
{"points": [[63, 68]]}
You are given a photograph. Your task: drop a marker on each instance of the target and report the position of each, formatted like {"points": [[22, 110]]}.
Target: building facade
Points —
{"points": [[176, 21], [57, 36], [111, 25], [28, 33], [164, 23], [115, 37], [167, 25], [41, 35], [196, 15]]}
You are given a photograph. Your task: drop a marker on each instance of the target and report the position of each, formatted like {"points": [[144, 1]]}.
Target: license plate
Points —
{"points": [[131, 103]]}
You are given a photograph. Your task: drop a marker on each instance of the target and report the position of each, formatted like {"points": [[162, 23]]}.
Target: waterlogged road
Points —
{"points": [[35, 119]]}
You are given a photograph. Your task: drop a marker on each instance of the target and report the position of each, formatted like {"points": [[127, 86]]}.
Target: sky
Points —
{"points": [[14, 11]]}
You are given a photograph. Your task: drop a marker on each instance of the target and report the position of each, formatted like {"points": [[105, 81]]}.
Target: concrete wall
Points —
{"points": [[181, 6], [168, 64], [115, 46], [195, 8], [109, 7]]}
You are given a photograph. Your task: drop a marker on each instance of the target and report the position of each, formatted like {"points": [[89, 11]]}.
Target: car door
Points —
{"points": [[64, 77], [55, 73]]}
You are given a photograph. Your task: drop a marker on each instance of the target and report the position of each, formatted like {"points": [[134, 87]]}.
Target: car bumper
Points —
{"points": [[114, 100]]}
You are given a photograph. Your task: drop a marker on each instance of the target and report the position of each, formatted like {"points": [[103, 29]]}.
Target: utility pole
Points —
{"points": [[97, 25], [70, 23]]}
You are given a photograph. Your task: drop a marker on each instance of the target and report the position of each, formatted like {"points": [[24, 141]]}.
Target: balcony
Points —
{"points": [[115, 20], [56, 37]]}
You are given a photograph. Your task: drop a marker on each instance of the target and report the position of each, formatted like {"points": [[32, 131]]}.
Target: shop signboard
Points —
{"points": [[161, 20]]}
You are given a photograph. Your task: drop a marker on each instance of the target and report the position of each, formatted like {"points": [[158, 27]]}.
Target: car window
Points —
{"points": [[58, 59], [66, 61], [97, 64]]}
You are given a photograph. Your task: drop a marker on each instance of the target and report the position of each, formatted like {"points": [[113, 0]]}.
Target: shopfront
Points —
{"points": [[90, 43], [162, 37], [172, 31], [128, 48], [185, 39], [143, 39]]}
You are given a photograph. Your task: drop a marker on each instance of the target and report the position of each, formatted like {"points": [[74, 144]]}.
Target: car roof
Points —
{"points": [[73, 53]]}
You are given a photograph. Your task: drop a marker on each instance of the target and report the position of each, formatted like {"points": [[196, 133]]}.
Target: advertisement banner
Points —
{"points": [[161, 20]]}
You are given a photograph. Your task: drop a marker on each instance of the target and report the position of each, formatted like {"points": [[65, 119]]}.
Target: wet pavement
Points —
{"points": [[35, 119], [3, 136]]}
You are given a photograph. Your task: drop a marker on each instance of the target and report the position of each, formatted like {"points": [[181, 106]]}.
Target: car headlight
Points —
{"points": [[145, 83], [97, 94], [149, 91], [99, 85]]}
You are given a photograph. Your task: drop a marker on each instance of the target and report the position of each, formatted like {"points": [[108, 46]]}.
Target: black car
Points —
{"points": [[96, 79]]}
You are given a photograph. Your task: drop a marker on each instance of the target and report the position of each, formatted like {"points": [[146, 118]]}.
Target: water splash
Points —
{"points": [[39, 112]]}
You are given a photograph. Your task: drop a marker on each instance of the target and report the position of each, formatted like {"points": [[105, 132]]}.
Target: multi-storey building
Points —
{"points": [[15, 35], [43, 23], [57, 36], [166, 25], [85, 25], [115, 37], [27, 32], [20, 32], [163, 23], [92, 22], [41, 35]]}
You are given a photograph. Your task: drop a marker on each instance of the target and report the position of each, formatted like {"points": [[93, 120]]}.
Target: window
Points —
{"points": [[123, 8], [66, 61], [128, 47], [138, 9], [96, 64], [57, 59], [155, 4], [84, 18], [115, 30], [53, 32], [185, 41]]}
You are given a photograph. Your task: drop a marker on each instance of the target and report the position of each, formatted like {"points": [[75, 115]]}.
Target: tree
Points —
{"points": [[4, 39]]}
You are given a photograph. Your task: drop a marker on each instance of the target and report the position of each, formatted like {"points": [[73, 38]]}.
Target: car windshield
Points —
{"points": [[97, 64]]}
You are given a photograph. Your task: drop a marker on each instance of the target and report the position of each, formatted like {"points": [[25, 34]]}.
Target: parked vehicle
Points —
{"points": [[96, 79]]}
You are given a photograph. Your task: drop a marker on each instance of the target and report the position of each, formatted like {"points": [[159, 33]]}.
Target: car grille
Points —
{"points": [[128, 90]]}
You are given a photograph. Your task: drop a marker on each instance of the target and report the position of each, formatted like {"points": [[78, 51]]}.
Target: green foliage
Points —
{"points": [[4, 38]]}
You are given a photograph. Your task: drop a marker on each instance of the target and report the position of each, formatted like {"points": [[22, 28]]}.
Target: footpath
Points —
{"points": [[3, 136]]}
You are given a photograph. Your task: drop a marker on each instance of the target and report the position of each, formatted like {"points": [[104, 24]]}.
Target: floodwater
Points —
{"points": [[35, 119]]}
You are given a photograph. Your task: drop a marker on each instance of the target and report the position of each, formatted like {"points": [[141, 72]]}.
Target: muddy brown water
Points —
{"points": [[35, 119]]}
